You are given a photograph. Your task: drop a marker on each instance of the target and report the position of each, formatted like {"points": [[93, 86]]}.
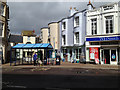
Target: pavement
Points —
{"points": [[67, 65]]}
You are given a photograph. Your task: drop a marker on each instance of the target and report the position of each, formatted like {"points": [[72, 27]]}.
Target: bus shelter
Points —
{"points": [[18, 52]]}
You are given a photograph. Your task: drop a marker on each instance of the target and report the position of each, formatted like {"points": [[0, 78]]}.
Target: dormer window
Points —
{"points": [[108, 7]]}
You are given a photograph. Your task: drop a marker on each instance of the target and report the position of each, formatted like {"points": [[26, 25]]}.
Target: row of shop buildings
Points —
{"points": [[89, 35]]}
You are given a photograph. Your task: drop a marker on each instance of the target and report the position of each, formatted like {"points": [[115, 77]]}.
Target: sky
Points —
{"points": [[36, 15]]}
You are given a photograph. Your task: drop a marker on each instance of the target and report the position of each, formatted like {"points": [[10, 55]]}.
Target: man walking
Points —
{"points": [[34, 58]]}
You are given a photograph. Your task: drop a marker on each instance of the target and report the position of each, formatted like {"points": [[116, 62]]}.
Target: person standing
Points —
{"points": [[35, 58]]}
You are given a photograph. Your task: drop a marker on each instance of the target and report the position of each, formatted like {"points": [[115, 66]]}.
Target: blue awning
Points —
{"points": [[33, 46]]}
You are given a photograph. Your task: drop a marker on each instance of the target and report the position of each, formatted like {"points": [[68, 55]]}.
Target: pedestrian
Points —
{"points": [[35, 58]]}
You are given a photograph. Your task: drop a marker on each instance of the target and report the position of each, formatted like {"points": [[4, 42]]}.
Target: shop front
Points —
{"points": [[103, 50]]}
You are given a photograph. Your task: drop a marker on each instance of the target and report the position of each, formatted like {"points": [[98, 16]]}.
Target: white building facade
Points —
{"points": [[72, 36], [103, 34]]}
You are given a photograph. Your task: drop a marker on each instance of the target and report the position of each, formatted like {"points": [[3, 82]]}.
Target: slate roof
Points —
{"points": [[16, 38]]}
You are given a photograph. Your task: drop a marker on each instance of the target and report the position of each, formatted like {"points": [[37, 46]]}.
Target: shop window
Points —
{"points": [[94, 26], [109, 24], [113, 55]]}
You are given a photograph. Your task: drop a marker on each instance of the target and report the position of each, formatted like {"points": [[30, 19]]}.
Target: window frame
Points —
{"points": [[94, 26], [76, 38], [109, 19], [76, 21]]}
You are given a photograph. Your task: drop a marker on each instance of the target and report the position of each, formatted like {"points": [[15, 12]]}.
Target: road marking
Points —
{"points": [[16, 86]]}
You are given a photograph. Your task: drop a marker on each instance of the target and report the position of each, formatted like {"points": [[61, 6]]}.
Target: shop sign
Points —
{"points": [[103, 38], [94, 54]]}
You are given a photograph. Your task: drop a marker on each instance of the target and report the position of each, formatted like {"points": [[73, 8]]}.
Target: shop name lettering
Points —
{"points": [[109, 38]]}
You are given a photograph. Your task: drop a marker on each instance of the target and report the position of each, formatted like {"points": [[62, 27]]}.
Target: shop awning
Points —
{"points": [[33, 46]]}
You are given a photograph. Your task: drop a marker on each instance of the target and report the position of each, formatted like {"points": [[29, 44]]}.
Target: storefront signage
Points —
{"points": [[103, 38], [94, 54]]}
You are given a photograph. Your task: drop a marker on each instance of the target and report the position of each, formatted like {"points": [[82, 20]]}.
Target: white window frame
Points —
{"points": [[94, 26], [76, 21], [76, 38], [109, 31], [63, 26]]}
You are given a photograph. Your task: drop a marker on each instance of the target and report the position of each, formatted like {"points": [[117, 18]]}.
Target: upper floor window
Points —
{"points": [[2, 10], [63, 40], [1, 28], [76, 21], [77, 38], [109, 24], [94, 26], [63, 25], [108, 7], [28, 39]]}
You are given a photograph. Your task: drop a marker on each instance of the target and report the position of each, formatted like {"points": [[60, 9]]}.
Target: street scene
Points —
{"points": [[59, 45]]}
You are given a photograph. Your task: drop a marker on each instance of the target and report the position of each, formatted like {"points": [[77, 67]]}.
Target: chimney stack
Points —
{"points": [[72, 10]]}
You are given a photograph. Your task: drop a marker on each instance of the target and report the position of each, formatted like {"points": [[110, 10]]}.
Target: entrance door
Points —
{"points": [[107, 56]]}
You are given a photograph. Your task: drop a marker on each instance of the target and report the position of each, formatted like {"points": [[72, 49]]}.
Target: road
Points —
{"points": [[60, 78]]}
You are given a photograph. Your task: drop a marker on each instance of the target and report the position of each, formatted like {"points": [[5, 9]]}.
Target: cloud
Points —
{"points": [[35, 15]]}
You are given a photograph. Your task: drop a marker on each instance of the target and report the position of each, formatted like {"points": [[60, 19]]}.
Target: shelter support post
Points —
{"points": [[15, 57]]}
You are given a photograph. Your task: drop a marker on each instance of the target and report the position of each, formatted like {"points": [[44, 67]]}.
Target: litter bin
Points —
{"points": [[57, 60]]}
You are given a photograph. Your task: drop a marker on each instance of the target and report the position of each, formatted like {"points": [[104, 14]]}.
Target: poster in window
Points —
{"points": [[94, 53]]}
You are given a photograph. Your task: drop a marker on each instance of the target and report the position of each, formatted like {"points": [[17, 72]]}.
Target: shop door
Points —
{"points": [[107, 56]]}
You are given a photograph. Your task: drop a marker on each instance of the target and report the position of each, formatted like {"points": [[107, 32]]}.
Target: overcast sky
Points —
{"points": [[35, 15]]}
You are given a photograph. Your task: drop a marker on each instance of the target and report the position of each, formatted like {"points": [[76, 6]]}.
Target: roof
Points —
{"points": [[16, 38], [33, 46], [28, 33]]}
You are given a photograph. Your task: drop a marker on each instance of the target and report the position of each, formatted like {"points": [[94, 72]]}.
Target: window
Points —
{"points": [[2, 9], [63, 40], [109, 24], [63, 25], [77, 38], [108, 7], [1, 28], [94, 26], [76, 21], [28, 39]]}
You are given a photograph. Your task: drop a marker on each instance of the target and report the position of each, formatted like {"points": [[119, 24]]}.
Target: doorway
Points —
{"points": [[107, 56]]}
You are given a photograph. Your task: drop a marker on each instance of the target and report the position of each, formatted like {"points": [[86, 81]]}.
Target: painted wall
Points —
{"points": [[32, 39], [44, 36], [54, 34]]}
